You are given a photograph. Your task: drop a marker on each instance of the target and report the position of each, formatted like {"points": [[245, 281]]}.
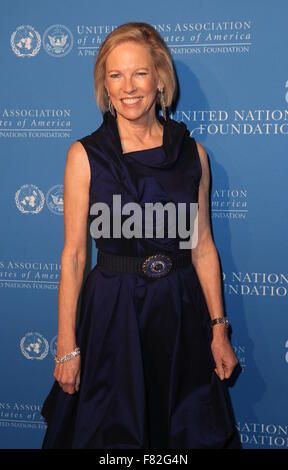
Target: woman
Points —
{"points": [[151, 367]]}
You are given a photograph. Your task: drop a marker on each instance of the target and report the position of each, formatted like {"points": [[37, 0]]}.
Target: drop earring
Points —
{"points": [[163, 103], [111, 107]]}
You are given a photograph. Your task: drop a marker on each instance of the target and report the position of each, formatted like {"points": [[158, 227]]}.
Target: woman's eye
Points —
{"points": [[115, 75]]}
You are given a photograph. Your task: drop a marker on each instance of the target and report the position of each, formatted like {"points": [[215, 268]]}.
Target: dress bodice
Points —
{"points": [[167, 173]]}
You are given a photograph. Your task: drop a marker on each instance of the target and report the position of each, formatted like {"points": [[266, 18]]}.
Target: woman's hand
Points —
{"points": [[67, 374], [223, 354]]}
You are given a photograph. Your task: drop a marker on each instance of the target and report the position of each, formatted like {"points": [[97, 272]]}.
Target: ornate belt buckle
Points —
{"points": [[156, 265]]}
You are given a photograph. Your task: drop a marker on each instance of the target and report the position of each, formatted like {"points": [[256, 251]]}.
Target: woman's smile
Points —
{"points": [[131, 102]]}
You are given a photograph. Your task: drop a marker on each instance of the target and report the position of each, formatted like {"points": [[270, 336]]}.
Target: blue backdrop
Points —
{"points": [[231, 61]]}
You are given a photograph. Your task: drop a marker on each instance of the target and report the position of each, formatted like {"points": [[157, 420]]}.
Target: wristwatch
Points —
{"points": [[220, 320]]}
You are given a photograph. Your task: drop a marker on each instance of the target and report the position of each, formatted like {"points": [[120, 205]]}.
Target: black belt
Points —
{"points": [[153, 266]]}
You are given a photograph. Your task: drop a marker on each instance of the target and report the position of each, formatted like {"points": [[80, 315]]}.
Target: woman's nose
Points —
{"points": [[129, 85]]}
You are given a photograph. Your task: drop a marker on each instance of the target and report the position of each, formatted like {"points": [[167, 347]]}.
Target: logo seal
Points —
{"points": [[34, 346], [57, 40], [25, 41]]}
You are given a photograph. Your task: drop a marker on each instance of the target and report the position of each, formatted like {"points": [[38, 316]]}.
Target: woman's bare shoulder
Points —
{"points": [[77, 161], [77, 148], [204, 163], [201, 151]]}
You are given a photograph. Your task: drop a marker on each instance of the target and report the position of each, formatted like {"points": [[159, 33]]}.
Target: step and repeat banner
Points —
{"points": [[231, 63]]}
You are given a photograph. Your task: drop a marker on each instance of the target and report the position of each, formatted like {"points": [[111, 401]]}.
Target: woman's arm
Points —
{"points": [[73, 258], [206, 262], [204, 255]]}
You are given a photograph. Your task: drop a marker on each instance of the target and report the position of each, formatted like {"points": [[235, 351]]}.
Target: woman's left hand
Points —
{"points": [[224, 355]]}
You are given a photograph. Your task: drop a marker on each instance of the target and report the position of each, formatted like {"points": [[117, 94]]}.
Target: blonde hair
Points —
{"points": [[146, 35]]}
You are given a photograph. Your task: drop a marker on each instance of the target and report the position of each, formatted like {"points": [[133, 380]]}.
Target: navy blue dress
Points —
{"points": [[147, 371]]}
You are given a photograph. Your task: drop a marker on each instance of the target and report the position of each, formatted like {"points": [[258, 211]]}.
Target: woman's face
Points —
{"points": [[131, 80]]}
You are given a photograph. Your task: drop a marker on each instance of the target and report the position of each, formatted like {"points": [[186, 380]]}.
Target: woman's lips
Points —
{"points": [[131, 101]]}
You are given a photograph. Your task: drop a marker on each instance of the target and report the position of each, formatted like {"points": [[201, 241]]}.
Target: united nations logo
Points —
{"points": [[54, 199], [57, 40], [34, 346], [29, 199], [25, 41], [53, 345]]}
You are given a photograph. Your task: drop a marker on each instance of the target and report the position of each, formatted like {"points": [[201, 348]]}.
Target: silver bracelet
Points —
{"points": [[67, 357]]}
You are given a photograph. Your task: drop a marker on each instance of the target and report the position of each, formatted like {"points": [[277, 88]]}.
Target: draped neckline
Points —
{"points": [[173, 136]]}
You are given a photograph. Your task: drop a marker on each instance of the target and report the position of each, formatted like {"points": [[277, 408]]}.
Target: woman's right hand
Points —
{"points": [[67, 374]]}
